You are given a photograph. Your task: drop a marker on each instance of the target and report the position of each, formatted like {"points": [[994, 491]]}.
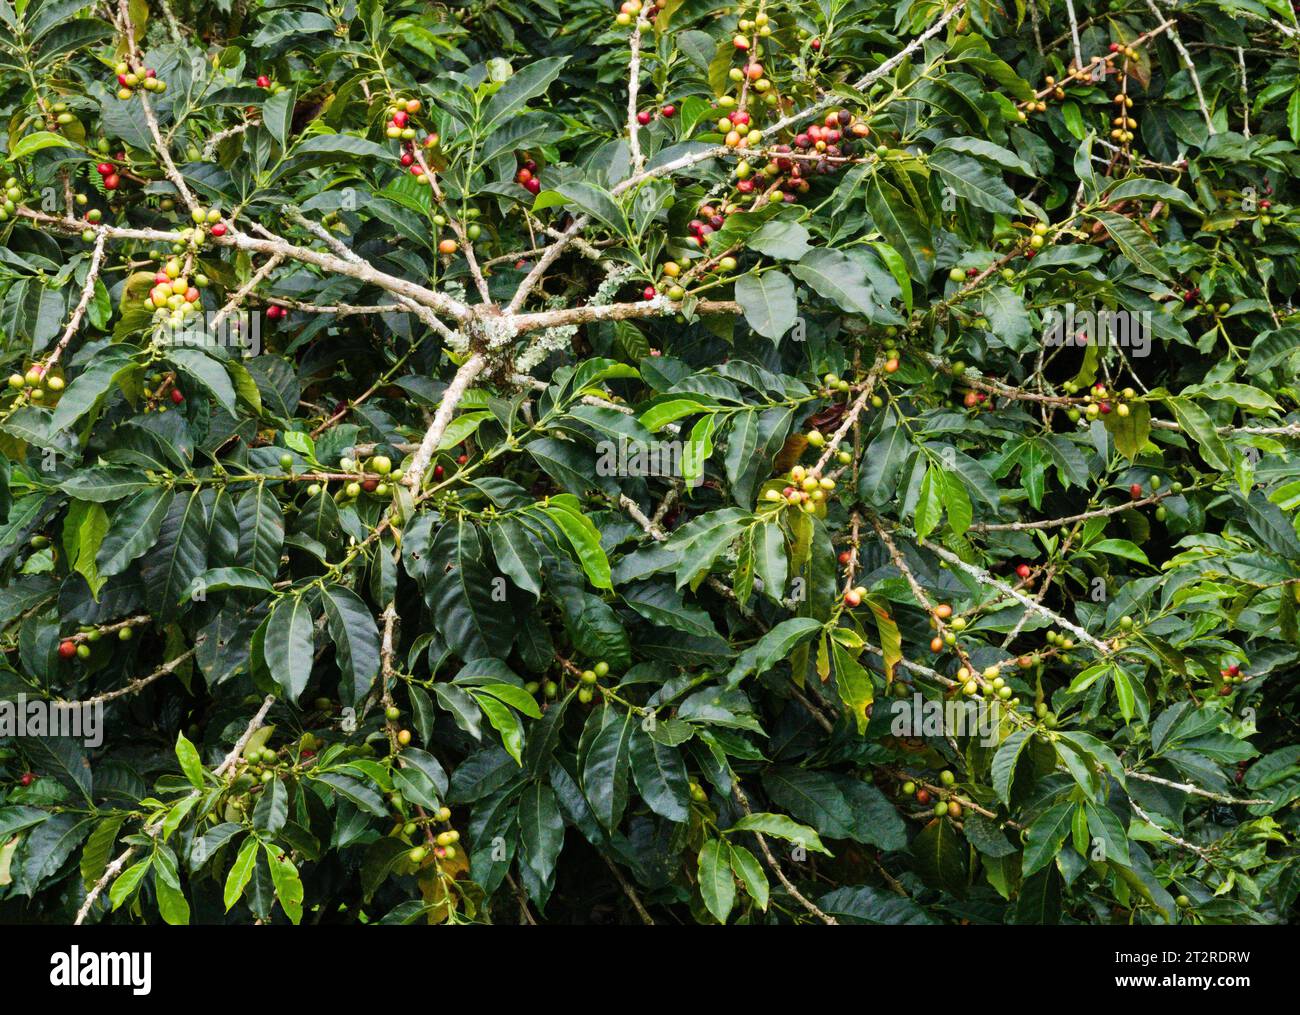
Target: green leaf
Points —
{"points": [[504, 722], [1046, 835], [768, 302], [782, 239], [774, 646], [746, 867], [929, 502], [783, 828], [1134, 244], [541, 830], [660, 776], [191, 763], [974, 181], [939, 856], [1004, 763], [523, 85], [717, 885], [584, 537], [604, 775], [288, 886], [854, 685], [1194, 422], [352, 628], [289, 645], [37, 141], [177, 557], [240, 872]]}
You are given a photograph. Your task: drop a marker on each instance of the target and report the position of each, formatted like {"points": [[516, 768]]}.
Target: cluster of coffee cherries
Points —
{"points": [[109, 175], [13, 195], [526, 176], [163, 390], [710, 219], [992, 675], [444, 842], [977, 400], [822, 149], [589, 679], [1061, 641], [173, 297], [374, 477], [400, 128], [667, 111], [816, 439], [671, 272], [943, 808], [1123, 124], [211, 218], [736, 127], [1191, 295], [274, 87], [806, 489], [87, 635], [1100, 401], [399, 123], [1231, 674], [947, 626], [630, 9], [130, 79], [37, 383]]}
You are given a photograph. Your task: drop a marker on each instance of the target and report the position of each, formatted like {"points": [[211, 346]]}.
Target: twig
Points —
{"points": [[87, 292], [629, 891], [798, 896]]}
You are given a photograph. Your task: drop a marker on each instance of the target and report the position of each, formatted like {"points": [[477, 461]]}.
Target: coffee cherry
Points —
{"points": [[922, 796], [1024, 570], [909, 788], [125, 634], [176, 396], [67, 649], [403, 737], [27, 778], [392, 713], [947, 778], [853, 598], [286, 461], [447, 246], [1135, 490]]}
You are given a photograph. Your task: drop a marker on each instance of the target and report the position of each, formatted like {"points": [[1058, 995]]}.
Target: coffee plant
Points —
{"points": [[797, 461]]}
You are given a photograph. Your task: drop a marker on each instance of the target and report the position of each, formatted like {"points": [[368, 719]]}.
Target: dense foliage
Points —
{"points": [[522, 462]]}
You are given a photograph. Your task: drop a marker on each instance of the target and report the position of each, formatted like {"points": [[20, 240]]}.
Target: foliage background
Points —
{"points": [[768, 787]]}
